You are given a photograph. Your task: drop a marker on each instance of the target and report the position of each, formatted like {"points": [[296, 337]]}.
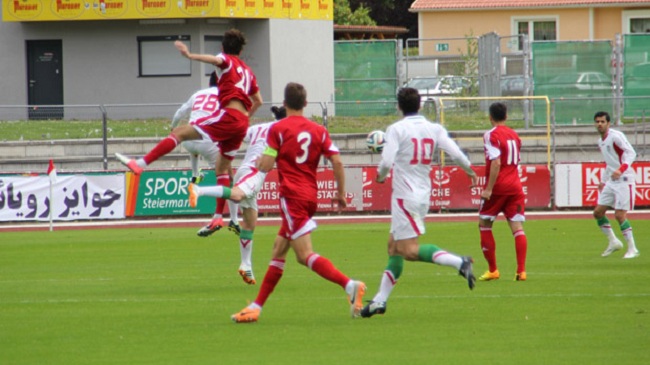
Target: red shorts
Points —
{"points": [[512, 207], [296, 217], [227, 127]]}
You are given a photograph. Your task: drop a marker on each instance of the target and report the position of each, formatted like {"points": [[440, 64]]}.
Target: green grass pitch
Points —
{"points": [[164, 296]]}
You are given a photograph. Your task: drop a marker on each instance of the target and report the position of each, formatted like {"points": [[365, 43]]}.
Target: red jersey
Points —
{"points": [[504, 143], [235, 81], [300, 143]]}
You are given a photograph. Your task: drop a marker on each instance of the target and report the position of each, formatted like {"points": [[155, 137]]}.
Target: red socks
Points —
{"points": [[521, 246], [326, 269], [271, 279], [489, 247], [162, 148], [223, 180]]}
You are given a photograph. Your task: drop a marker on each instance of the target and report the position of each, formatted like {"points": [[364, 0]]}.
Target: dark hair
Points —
{"points": [[295, 96], [498, 112], [602, 114], [279, 112], [233, 42], [408, 100], [213, 79]]}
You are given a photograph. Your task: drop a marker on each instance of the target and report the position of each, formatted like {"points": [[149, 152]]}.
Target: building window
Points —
{"points": [[158, 57], [636, 21], [536, 29], [212, 46]]}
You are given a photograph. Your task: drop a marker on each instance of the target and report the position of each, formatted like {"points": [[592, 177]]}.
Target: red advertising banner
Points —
{"points": [[591, 173], [450, 189]]}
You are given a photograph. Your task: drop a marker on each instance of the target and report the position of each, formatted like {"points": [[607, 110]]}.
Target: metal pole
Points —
{"points": [[104, 135]]}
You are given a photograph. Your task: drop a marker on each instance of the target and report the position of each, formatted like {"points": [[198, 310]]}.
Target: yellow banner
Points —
{"points": [[52, 10]]}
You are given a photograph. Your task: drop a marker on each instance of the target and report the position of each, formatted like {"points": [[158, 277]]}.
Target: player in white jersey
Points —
{"points": [[411, 144], [191, 110], [249, 181], [617, 185]]}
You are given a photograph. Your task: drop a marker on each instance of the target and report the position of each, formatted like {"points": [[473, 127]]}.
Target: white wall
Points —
{"points": [[100, 59]]}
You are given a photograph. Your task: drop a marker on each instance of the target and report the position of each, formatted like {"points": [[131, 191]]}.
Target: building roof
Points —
{"points": [[367, 31], [442, 5]]}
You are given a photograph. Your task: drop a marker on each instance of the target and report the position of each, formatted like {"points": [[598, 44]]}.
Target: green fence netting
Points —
{"points": [[636, 75], [365, 71], [577, 76]]}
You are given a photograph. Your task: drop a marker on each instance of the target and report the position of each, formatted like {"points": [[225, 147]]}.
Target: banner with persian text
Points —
{"points": [[74, 197]]}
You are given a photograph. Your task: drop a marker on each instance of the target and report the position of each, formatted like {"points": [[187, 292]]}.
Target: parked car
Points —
{"points": [[512, 85], [431, 87], [578, 84]]}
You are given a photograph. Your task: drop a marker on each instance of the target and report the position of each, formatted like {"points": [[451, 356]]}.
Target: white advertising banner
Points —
{"points": [[74, 197]]}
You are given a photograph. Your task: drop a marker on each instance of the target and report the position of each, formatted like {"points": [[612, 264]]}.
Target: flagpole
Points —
{"points": [[51, 206], [51, 173]]}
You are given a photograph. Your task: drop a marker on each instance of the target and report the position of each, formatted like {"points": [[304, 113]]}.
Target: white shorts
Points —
{"points": [[407, 218], [250, 181], [618, 195], [207, 149]]}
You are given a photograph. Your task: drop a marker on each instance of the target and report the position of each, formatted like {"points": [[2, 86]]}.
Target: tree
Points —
{"points": [[392, 13], [343, 14]]}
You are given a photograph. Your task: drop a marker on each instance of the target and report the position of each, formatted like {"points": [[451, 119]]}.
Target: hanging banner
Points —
{"points": [[57, 10], [74, 197], [576, 184], [157, 193]]}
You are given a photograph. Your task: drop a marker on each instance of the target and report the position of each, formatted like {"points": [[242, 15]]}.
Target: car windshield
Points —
{"points": [[423, 83], [566, 79]]}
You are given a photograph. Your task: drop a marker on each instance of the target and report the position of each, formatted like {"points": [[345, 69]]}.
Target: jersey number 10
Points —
{"points": [[422, 151]]}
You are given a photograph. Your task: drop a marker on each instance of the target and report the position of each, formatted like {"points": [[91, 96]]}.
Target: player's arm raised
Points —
{"points": [[205, 58]]}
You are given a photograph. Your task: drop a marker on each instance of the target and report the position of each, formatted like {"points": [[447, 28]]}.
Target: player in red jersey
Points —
{"points": [[502, 192], [296, 144], [238, 99]]}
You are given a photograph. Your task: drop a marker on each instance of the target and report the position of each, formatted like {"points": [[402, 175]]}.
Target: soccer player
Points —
{"points": [[208, 149], [237, 100], [248, 184], [617, 185], [297, 144], [502, 192], [411, 144]]}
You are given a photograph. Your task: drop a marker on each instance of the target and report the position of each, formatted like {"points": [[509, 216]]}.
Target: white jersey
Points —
{"points": [[617, 152], [256, 139], [409, 150], [201, 104]]}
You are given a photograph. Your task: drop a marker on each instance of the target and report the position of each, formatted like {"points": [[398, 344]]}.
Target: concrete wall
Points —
{"points": [[100, 58]]}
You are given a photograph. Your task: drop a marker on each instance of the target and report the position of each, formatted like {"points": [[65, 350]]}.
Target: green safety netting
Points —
{"points": [[365, 74], [577, 76], [636, 75]]}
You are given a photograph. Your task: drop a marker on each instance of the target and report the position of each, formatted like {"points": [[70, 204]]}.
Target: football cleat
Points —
{"points": [[466, 271], [246, 273], [246, 315], [630, 254], [129, 162], [198, 179], [520, 276], [490, 275], [356, 299], [194, 197], [373, 308], [614, 245], [234, 228], [209, 229]]}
